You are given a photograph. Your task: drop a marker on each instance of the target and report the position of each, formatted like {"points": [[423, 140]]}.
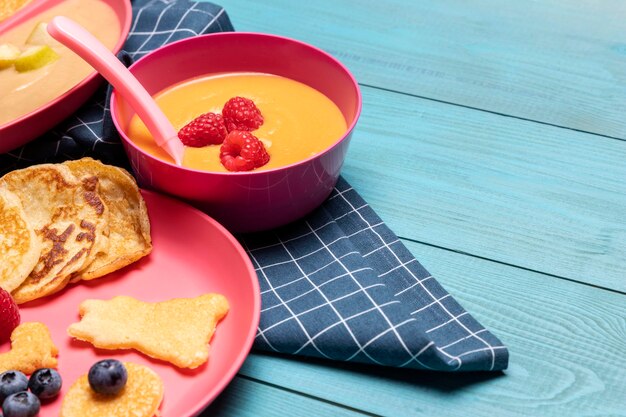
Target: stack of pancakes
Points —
{"points": [[9, 7], [62, 223]]}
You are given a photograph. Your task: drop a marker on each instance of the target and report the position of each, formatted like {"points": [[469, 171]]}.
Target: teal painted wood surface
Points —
{"points": [[246, 398], [527, 194], [556, 62], [521, 221], [567, 344]]}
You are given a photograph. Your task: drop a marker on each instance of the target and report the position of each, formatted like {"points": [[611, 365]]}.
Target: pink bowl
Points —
{"points": [[26, 128], [255, 200]]}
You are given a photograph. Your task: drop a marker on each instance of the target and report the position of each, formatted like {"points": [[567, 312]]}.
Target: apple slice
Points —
{"points": [[40, 36], [8, 54], [35, 57]]}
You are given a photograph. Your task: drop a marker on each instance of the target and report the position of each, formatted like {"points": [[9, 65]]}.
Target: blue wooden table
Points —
{"points": [[493, 142]]}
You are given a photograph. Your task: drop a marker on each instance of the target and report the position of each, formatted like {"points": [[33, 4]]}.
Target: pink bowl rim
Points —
{"points": [[331, 58], [125, 30]]}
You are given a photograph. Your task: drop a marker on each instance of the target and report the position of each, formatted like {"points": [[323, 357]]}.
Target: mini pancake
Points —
{"points": [[140, 397], [9, 7], [129, 226], [68, 218], [19, 246]]}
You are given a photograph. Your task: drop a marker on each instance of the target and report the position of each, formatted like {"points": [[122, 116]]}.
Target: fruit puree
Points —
{"points": [[299, 121], [24, 92]]}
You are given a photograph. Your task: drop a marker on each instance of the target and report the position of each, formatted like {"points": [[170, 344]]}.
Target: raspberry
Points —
{"points": [[242, 151], [9, 315], [206, 129], [241, 113]]}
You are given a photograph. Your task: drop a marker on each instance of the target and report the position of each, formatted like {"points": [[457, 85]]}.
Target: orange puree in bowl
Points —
{"points": [[21, 93], [299, 121]]}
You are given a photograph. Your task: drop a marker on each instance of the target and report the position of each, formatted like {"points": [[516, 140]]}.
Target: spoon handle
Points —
{"points": [[84, 44]]}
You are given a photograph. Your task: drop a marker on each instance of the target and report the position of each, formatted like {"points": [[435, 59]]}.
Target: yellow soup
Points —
{"points": [[299, 121], [23, 92]]}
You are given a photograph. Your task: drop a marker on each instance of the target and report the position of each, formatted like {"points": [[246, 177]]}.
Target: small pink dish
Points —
{"points": [[254, 200], [28, 127]]}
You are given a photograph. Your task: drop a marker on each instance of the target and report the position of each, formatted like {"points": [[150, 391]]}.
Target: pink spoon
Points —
{"points": [[84, 44]]}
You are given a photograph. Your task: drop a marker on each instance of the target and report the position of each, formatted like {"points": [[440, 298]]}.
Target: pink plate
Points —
{"points": [[26, 128], [192, 255]]}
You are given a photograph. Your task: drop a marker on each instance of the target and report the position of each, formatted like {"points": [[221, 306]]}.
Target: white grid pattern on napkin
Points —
{"points": [[343, 274], [338, 285]]}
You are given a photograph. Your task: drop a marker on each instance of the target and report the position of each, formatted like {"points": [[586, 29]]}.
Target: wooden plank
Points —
{"points": [[566, 342], [557, 62], [518, 192], [495, 187], [491, 186], [243, 398]]}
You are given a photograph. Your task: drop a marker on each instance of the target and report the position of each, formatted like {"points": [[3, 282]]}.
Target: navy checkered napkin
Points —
{"points": [[338, 284]]}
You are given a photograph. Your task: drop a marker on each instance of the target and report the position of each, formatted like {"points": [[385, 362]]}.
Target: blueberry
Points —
{"points": [[45, 383], [21, 404], [107, 376], [12, 382]]}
